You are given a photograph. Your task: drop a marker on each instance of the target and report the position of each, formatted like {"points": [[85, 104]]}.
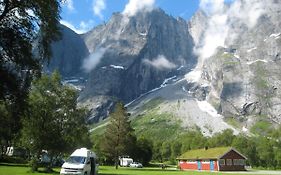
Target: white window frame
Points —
{"points": [[242, 162], [229, 162], [221, 161]]}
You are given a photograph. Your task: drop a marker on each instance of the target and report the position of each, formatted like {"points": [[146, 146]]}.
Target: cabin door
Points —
{"points": [[199, 165], [212, 165]]}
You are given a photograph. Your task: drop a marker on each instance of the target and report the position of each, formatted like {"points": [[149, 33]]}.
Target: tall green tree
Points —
{"points": [[224, 138], [53, 121], [119, 135], [142, 151], [21, 24], [5, 126]]}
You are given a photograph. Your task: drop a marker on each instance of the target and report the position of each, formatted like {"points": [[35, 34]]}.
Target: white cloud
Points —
{"points": [[83, 27], [69, 4], [212, 6], [72, 27], [98, 7], [134, 6], [86, 25], [160, 62], [93, 60], [248, 12]]}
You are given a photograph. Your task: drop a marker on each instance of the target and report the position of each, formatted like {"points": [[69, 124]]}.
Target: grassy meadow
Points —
{"points": [[7, 169]]}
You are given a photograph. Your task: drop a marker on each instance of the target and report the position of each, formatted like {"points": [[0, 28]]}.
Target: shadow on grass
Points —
{"points": [[48, 172], [13, 165]]}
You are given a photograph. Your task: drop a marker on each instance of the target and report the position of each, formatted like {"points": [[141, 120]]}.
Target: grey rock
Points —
{"points": [[68, 54]]}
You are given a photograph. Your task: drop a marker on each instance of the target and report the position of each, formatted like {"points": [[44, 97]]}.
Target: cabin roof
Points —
{"points": [[211, 153]]}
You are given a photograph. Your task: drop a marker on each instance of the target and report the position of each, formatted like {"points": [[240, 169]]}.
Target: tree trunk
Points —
{"points": [[116, 162], [34, 162]]}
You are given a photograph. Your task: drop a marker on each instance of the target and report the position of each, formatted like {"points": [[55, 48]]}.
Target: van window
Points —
{"points": [[76, 159]]}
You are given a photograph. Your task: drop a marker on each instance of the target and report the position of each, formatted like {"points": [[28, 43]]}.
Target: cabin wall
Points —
{"points": [[198, 165], [232, 162]]}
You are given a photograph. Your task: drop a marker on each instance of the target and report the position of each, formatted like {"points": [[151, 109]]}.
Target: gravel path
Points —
{"points": [[256, 172]]}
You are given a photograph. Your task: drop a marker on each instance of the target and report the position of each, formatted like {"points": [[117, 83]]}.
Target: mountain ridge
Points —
{"points": [[151, 55]]}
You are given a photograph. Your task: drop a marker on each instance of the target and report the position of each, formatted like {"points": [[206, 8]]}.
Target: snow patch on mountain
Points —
{"points": [[117, 67], [251, 49], [194, 75], [274, 35], [207, 107], [258, 60]]}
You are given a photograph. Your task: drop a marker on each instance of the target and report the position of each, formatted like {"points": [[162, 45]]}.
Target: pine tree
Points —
{"points": [[119, 136]]}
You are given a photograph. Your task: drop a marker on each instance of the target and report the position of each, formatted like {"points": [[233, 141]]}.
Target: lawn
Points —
{"points": [[107, 170], [19, 169]]}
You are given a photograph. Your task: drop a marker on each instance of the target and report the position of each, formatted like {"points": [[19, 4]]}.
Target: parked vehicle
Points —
{"points": [[125, 161], [136, 165], [17, 152], [81, 162]]}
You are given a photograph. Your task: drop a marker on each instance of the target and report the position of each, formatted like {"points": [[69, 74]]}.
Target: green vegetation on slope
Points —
{"points": [[261, 128], [156, 126]]}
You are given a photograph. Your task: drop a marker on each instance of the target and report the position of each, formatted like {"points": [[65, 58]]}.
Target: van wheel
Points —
{"points": [[85, 173]]}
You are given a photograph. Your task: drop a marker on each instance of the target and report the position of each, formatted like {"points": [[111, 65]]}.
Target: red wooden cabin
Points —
{"points": [[213, 159]]}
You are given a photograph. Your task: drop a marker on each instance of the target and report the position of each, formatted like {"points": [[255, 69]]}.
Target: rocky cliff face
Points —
{"points": [[141, 52], [68, 54], [244, 76]]}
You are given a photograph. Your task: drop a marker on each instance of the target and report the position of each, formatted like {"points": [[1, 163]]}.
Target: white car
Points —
{"points": [[136, 165]]}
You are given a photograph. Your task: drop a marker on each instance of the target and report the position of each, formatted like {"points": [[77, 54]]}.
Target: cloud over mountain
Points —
{"points": [[161, 62], [98, 7], [134, 6]]}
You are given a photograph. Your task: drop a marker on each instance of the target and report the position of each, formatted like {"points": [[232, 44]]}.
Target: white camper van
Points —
{"points": [[125, 161], [81, 162]]}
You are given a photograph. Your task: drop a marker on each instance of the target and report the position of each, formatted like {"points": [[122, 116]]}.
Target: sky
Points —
{"points": [[82, 15]]}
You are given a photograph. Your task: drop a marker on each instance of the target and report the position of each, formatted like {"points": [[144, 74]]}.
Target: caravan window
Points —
{"points": [[76, 159]]}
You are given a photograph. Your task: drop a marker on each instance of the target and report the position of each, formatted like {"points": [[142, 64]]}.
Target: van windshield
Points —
{"points": [[76, 159]]}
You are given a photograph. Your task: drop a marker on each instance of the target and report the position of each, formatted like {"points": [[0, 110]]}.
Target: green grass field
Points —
{"points": [[10, 169], [107, 170]]}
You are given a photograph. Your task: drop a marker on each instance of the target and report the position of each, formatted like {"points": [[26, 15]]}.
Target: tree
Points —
{"points": [[21, 24], [143, 151], [265, 152], [53, 122], [5, 126], [225, 138], [166, 151], [119, 135], [176, 150]]}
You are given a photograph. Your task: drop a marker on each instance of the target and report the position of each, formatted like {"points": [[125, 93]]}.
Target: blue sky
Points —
{"points": [[79, 15]]}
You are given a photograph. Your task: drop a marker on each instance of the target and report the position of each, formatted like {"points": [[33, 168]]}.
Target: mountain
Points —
{"points": [[156, 65], [244, 76], [68, 55], [141, 52]]}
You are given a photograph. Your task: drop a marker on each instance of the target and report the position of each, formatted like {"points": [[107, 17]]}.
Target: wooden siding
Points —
{"points": [[231, 155]]}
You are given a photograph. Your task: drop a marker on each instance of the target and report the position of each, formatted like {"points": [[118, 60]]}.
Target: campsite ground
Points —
{"points": [[7, 169]]}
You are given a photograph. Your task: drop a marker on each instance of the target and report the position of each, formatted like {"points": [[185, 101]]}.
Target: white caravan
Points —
{"points": [[125, 161], [81, 162]]}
